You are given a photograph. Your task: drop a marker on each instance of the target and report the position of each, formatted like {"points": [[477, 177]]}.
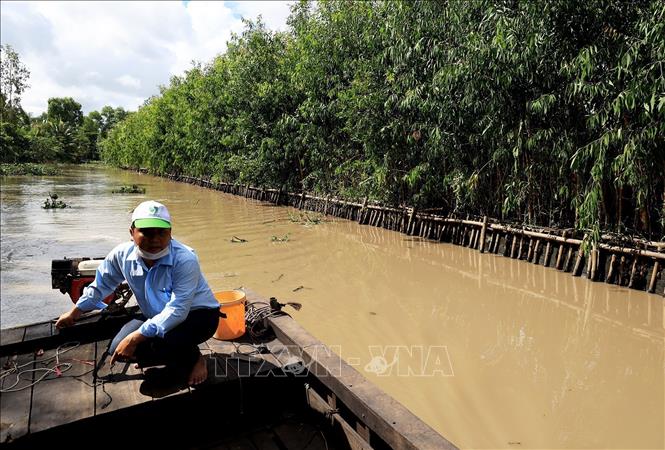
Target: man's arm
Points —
{"points": [[107, 277]]}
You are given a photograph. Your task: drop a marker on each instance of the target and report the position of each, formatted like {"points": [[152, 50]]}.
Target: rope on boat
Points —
{"points": [[58, 368], [258, 312]]}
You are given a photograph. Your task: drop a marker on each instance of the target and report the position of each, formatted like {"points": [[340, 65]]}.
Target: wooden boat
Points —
{"points": [[286, 390]]}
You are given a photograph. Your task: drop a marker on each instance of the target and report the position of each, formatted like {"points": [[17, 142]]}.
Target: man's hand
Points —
{"points": [[127, 347], [68, 318]]}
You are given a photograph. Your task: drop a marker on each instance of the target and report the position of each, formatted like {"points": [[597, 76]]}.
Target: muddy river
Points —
{"points": [[491, 352]]}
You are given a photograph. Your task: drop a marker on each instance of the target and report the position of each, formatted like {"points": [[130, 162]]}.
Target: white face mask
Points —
{"points": [[152, 256]]}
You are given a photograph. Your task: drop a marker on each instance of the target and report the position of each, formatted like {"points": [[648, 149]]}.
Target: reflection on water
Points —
{"points": [[491, 352]]}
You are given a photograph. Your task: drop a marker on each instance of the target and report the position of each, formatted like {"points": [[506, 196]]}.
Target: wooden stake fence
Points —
{"points": [[638, 266]]}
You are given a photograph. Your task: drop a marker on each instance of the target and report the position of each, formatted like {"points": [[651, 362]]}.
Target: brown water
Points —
{"points": [[491, 352]]}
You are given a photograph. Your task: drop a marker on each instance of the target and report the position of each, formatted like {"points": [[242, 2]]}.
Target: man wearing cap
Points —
{"points": [[179, 311]]}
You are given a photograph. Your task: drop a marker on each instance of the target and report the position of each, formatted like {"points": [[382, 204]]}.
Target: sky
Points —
{"points": [[118, 53]]}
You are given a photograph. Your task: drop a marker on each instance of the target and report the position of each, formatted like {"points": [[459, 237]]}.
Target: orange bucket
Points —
{"points": [[232, 303]]}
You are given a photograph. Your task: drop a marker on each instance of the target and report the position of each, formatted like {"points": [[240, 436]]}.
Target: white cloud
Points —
{"points": [[129, 81], [118, 53]]}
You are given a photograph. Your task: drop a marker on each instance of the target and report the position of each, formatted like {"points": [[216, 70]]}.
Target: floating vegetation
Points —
{"points": [[53, 203], [280, 239], [129, 189], [28, 169], [238, 240], [306, 218]]}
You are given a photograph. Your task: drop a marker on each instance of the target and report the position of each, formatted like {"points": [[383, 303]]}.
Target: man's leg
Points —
{"points": [[178, 349], [125, 331]]}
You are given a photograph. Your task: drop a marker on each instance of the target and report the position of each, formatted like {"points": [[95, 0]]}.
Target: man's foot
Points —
{"points": [[199, 372], [161, 382]]}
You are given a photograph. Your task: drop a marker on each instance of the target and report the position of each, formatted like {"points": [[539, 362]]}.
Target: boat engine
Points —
{"points": [[72, 275]]}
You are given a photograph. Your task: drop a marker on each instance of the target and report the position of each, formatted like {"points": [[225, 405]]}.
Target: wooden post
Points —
{"points": [[529, 253], [361, 215], [536, 252], [633, 272], [497, 242], [302, 200], [279, 196], [513, 247], [491, 243], [559, 255], [408, 225], [569, 256], [506, 248], [622, 266], [610, 270], [483, 231], [548, 253], [654, 275], [593, 264], [578, 261]]}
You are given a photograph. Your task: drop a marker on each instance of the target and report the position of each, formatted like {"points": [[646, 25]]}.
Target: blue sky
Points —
{"points": [[118, 53]]}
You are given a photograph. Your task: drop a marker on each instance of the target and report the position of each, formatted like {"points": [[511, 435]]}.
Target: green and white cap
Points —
{"points": [[151, 214]]}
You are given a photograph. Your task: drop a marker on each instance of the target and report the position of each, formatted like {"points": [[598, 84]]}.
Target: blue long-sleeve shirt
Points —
{"points": [[166, 292]]}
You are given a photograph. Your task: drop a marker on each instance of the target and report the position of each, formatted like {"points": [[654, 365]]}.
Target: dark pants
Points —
{"points": [[178, 349]]}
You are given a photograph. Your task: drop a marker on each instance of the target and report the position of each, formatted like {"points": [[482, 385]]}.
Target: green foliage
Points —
{"points": [[65, 110], [62, 134], [28, 169], [129, 189], [13, 79], [546, 113]]}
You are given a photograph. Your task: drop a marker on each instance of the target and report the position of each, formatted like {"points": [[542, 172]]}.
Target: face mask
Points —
{"points": [[152, 256]]}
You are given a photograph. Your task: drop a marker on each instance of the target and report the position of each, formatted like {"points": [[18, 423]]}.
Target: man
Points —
{"points": [[179, 311]]}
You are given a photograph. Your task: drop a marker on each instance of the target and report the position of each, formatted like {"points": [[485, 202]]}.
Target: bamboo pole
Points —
{"points": [[560, 252], [513, 247], [497, 242], [361, 215], [593, 264], [548, 254], [578, 261], [536, 252], [633, 273], [569, 257], [483, 232], [529, 253], [519, 251], [411, 216], [490, 246]]}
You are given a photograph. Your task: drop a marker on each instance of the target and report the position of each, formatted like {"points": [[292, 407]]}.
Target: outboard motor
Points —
{"points": [[72, 275]]}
